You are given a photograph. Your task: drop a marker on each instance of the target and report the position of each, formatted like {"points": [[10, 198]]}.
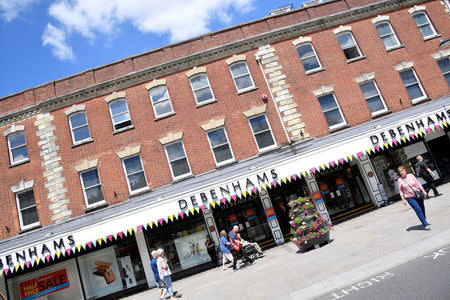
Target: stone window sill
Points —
{"points": [[95, 206], [315, 71], [395, 48], [246, 90], [334, 129], [268, 149], [432, 37], [206, 103], [381, 113], [225, 164], [19, 163], [140, 191], [420, 100], [165, 116], [181, 178], [86, 141], [30, 228], [123, 129], [349, 61]]}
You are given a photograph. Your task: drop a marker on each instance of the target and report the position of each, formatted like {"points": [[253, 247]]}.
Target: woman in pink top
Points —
{"points": [[407, 184]]}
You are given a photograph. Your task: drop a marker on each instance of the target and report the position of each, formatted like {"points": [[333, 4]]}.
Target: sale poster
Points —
{"points": [[44, 285]]}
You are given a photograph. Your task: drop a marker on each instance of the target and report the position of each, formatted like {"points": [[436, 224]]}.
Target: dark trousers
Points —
{"points": [[431, 185], [212, 254], [241, 254]]}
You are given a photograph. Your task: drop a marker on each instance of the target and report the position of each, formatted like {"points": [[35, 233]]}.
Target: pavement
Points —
{"points": [[362, 247]]}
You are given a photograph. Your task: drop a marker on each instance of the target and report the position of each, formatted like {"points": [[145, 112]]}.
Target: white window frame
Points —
{"points": [[429, 23], [232, 159], [209, 85], [84, 189], [442, 71], [391, 34], [126, 175], [19, 210], [112, 116], [344, 121], [315, 55], [72, 129], [381, 111], [10, 150], [160, 101], [185, 155], [248, 73], [270, 130], [419, 84], [354, 41]]}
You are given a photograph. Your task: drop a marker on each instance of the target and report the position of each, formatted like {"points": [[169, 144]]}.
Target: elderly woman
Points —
{"points": [[164, 274], [407, 186]]}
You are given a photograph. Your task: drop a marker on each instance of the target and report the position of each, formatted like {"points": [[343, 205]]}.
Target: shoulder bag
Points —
{"points": [[419, 194]]}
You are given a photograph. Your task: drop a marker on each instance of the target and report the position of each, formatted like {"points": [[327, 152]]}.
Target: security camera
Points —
{"points": [[264, 98]]}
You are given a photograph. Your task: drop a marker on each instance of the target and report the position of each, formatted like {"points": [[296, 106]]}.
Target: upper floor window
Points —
{"points": [[387, 35], [17, 147], [241, 76], [178, 161], [308, 57], [135, 174], [119, 114], [412, 84], [331, 110], [92, 187], [424, 24], [79, 127], [444, 64], [201, 88], [349, 45], [262, 132], [373, 96], [26, 206], [159, 96], [220, 146]]}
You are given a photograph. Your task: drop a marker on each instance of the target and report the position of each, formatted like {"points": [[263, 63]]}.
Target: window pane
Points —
{"points": [[133, 164], [217, 137], [310, 63], [426, 30], [118, 107], [222, 153], [264, 139], [447, 77], [122, 125], [203, 94], [162, 108], [383, 29], [90, 178], [375, 104], [420, 19], [305, 50], [19, 153], [81, 133], [239, 69], [175, 151], [259, 123], [243, 82], [199, 81], [159, 93], [351, 52], [369, 89], [30, 216], [26, 199], [94, 194], [444, 64], [389, 41], [327, 102], [137, 181], [121, 118], [408, 77], [414, 91], [345, 40], [16, 139], [78, 119], [180, 167], [333, 117]]}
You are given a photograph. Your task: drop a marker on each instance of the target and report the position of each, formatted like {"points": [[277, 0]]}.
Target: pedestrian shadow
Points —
{"points": [[415, 227], [310, 248]]}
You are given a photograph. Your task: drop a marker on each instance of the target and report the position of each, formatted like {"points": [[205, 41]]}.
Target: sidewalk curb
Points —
{"points": [[377, 266]]}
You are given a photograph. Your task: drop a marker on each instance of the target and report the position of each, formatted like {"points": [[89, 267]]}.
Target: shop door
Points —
{"points": [[440, 150]]}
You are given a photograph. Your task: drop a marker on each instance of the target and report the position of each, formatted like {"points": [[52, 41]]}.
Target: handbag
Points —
{"points": [[419, 194]]}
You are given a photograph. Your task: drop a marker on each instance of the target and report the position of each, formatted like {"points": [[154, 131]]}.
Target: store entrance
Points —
{"points": [[248, 213], [439, 149], [343, 190]]}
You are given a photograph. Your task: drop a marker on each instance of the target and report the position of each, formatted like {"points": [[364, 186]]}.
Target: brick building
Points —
{"points": [[162, 148]]}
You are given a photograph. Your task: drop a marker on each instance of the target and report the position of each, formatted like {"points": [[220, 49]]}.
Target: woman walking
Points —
{"points": [[409, 188], [164, 274], [225, 248]]}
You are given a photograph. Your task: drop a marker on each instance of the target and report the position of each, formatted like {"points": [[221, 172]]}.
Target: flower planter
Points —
{"points": [[316, 242]]}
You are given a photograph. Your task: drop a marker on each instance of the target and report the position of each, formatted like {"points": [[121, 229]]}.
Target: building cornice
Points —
{"points": [[203, 57]]}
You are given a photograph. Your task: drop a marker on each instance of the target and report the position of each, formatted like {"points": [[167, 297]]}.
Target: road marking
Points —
{"points": [[360, 285], [438, 253]]}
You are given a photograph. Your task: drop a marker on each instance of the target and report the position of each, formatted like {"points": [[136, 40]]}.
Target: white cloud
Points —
{"points": [[56, 39], [10, 9]]}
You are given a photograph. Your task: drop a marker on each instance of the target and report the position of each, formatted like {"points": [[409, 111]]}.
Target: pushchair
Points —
{"points": [[250, 250]]}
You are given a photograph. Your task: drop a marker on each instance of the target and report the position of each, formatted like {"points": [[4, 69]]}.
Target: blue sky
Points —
{"points": [[44, 40]]}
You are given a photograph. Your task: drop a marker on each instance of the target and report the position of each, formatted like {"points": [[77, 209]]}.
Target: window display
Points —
{"points": [[191, 249]]}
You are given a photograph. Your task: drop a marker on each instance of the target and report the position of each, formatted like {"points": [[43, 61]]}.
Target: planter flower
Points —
{"points": [[309, 228]]}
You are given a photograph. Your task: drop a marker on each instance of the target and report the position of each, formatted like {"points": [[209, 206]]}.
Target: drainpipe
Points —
{"points": [[258, 59]]}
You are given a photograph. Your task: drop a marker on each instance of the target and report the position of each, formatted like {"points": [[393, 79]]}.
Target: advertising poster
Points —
{"points": [[340, 182], [127, 271], [44, 285], [270, 213], [191, 249], [233, 219], [250, 214], [100, 272]]}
